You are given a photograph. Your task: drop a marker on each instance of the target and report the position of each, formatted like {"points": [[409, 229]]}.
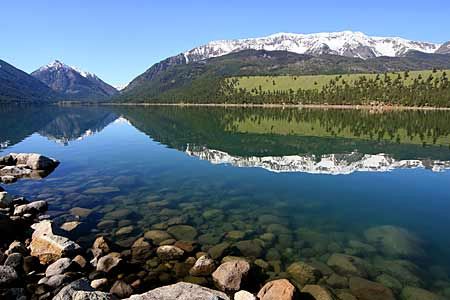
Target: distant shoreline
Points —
{"points": [[318, 106]]}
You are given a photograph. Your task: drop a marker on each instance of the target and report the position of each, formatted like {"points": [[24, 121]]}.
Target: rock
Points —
{"points": [[337, 281], [183, 232], [80, 261], [395, 241], [121, 289], [31, 208], [59, 267], [318, 292], [67, 292], [84, 295], [414, 293], [141, 250], [7, 160], [8, 179], [280, 289], [261, 263], [303, 273], [390, 282], [15, 261], [81, 212], [229, 275], [55, 281], [404, 271], [157, 236], [5, 200], [16, 247], [250, 248], [348, 265], [101, 246], [244, 295], [35, 161], [169, 252], [109, 262], [218, 250], [368, 290], [31, 263], [70, 226], [125, 230], [181, 291], [204, 266], [102, 190], [99, 284], [235, 235], [8, 277], [49, 247], [186, 246]]}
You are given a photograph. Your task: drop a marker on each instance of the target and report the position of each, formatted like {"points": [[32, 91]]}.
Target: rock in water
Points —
{"points": [[59, 267], [181, 291], [109, 262], [318, 292], [229, 275], [303, 273], [244, 295], [280, 289], [348, 265], [395, 241], [121, 289], [414, 293], [183, 232], [81, 290], [169, 252], [31, 208], [369, 290], [35, 161], [5, 200], [49, 247], [204, 266]]}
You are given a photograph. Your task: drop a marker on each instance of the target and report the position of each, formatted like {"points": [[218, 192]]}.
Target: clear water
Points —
{"points": [[325, 176]]}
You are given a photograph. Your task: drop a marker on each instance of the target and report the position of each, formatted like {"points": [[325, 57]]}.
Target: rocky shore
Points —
{"points": [[39, 259]]}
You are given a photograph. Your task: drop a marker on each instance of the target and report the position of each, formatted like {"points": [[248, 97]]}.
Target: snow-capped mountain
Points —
{"points": [[345, 43], [332, 164], [73, 83]]}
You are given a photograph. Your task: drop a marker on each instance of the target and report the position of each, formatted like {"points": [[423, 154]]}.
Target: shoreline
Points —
{"points": [[299, 106]]}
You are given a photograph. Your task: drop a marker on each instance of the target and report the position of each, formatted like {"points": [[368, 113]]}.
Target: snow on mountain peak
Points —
{"points": [[346, 43], [58, 65]]}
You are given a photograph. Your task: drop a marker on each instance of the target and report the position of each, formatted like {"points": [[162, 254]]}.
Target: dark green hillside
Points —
{"points": [[18, 86], [204, 81]]}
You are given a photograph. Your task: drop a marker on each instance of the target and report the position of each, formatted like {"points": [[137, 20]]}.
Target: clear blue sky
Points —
{"points": [[118, 40]]}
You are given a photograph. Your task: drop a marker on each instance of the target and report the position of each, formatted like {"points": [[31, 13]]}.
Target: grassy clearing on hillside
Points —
{"points": [[309, 82]]}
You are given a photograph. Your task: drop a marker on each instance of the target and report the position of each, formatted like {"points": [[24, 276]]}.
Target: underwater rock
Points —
{"points": [[390, 282], [319, 292], [102, 190], [404, 271], [280, 289], [414, 293], [337, 281], [348, 265], [368, 290], [121, 289], [108, 262], [218, 250], [395, 241], [102, 246], [250, 248], [169, 252], [141, 250], [181, 291], [183, 232], [35, 161], [303, 273], [157, 236], [81, 212], [229, 275]]}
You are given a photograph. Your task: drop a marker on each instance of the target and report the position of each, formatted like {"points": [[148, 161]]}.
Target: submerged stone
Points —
{"points": [[280, 289], [348, 265], [364, 289], [183, 232], [229, 275], [303, 273], [414, 293]]}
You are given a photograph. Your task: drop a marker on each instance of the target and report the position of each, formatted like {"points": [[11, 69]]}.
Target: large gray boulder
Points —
{"points": [[229, 275], [181, 291], [35, 161]]}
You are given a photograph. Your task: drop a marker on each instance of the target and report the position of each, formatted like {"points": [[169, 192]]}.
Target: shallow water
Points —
{"points": [[316, 180]]}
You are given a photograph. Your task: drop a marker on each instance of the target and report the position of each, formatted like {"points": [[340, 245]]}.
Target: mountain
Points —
{"points": [[444, 49], [173, 80], [18, 86], [72, 83], [345, 43]]}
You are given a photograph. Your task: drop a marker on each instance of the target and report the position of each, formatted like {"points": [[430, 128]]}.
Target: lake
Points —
{"points": [[278, 185]]}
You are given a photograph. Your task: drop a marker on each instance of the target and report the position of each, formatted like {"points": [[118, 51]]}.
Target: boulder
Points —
{"points": [[229, 275], [318, 292], [280, 289], [303, 273], [99, 284], [8, 277], [368, 290], [218, 250], [204, 266], [169, 252], [84, 295], [81, 290], [250, 248], [35, 161], [414, 293], [121, 289], [101, 246], [15, 260], [16, 247], [244, 295], [7, 179], [348, 265], [31, 208], [60, 266], [108, 262], [183, 232], [395, 241], [181, 291], [157, 236], [5, 200], [141, 250], [49, 247], [56, 280]]}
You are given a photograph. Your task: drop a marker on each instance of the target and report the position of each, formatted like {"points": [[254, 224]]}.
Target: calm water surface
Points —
{"points": [[297, 184]]}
